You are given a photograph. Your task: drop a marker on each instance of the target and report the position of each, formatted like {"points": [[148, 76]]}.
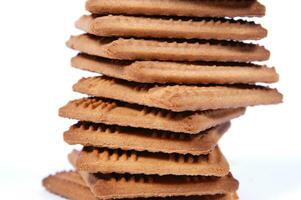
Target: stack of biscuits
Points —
{"points": [[173, 75]]}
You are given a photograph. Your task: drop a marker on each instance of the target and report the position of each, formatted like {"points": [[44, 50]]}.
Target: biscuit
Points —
{"points": [[179, 73], [126, 138], [120, 113], [68, 185], [191, 8], [142, 27], [178, 98], [173, 50], [71, 186], [118, 186], [105, 161]]}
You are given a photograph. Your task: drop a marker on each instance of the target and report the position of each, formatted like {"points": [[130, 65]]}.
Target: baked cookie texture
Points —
{"points": [[139, 139], [94, 160], [142, 27], [169, 76], [178, 98], [113, 112], [70, 185], [172, 50], [165, 72], [187, 8]]}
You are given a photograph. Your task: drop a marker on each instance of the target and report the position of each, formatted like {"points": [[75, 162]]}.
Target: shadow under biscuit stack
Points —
{"points": [[171, 76]]}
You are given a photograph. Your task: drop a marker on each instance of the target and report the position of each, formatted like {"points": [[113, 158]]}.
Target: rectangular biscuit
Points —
{"points": [[143, 27], [174, 72], [178, 98], [118, 186], [192, 8], [173, 50], [71, 186], [123, 114], [105, 161], [126, 138]]}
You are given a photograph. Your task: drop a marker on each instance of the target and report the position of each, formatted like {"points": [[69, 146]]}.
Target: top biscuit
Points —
{"points": [[189, 8]]}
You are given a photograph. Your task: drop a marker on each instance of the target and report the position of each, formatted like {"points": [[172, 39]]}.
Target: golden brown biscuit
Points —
{"points": [[142, 27], [71, 186], [105, 161], [123, 114], [68, 185], [117, 186], [178, 98], [194, 8], [173, 50], [175, 72], [126, 138]]}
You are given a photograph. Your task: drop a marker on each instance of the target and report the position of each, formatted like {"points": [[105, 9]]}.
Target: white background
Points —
{"points": [[263, 147]]}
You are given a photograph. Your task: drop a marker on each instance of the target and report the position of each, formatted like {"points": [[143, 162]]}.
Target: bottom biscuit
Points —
{"points": [[70, 185], [122, 186]]}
